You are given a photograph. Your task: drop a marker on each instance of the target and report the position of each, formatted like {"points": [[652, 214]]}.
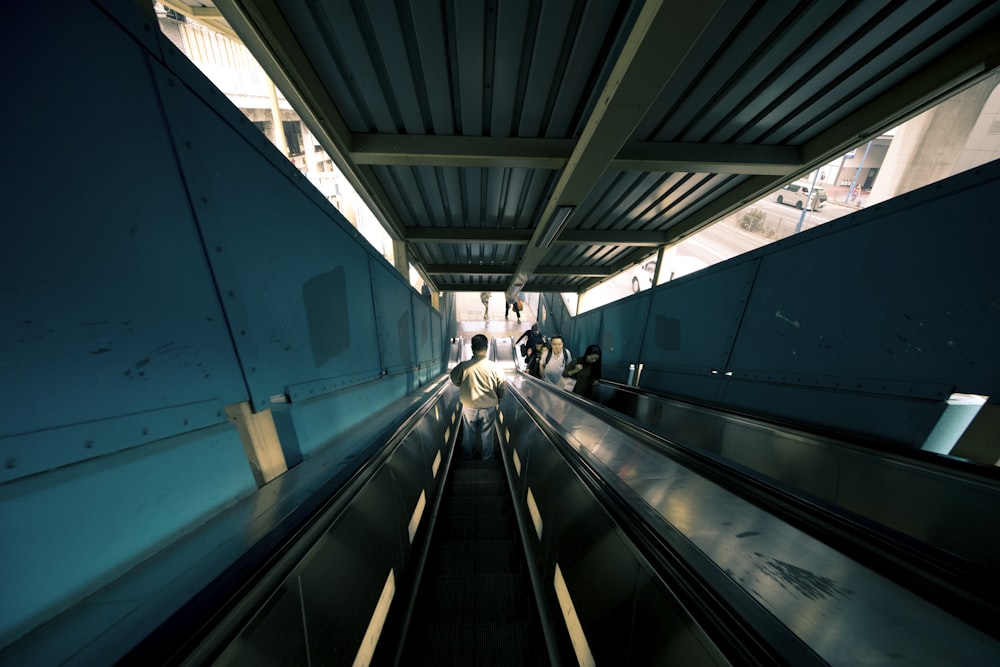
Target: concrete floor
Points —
{"points": [[471, 321]]}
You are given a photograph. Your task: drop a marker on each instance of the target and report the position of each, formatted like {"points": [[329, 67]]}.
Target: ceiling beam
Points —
{"points": [[263, 29], [660, 40], [961, 67], [651, 156], [613, 237], [508, 270], [456, 151], [438, 235], [977, 57], [468, 235], [707, 158], [208, 16]]}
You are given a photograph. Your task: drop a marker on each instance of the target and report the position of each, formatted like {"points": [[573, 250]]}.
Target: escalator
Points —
{"points": [[635, 558], [475, 603]]}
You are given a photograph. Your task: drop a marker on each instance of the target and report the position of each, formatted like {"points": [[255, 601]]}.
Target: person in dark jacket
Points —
{"points": [[542, 350], [531, 338], [586, 370], [516, 305]]}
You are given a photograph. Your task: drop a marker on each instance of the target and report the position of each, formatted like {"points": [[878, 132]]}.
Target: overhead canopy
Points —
{"points": [[545, 145]]}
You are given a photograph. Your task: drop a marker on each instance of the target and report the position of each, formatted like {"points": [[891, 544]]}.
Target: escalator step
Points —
{"points": [[478, 644], [464, 558], [476, 605], [489, 488], [478, 506], [476, 528], [490, 598]]}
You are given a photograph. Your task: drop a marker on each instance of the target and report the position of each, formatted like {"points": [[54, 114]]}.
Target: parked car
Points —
{"points": [[674, 267], [642, 275], [797, 194]]}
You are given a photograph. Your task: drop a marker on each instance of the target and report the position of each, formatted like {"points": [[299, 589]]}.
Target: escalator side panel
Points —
{"points": [[335, 588], [475, 605], [331, 607], [926, 495], [621, 613], [803, 596]]}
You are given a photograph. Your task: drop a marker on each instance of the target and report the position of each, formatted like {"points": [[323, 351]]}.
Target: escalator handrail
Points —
{"points": [[201, 628], [746, 632], [963, 589], [966, 589]]}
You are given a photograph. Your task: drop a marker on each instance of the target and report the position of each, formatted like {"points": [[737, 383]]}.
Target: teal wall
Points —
{"points": [[160, 261], [864, 326]]}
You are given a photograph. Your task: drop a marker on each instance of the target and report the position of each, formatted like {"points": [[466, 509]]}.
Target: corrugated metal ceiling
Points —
{"points": [[467, 125]]}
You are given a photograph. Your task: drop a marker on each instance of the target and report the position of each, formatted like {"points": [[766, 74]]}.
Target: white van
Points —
{"points": [[797, 194]]}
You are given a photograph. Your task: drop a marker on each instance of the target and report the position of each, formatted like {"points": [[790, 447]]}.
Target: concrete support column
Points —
{"points": [[279, 129], [400, 258], [926, 149], [309, 148]]}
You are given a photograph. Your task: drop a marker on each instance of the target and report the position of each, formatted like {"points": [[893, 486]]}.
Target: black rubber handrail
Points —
{"points": [[202, 628], [743, 630], [965, 589]]}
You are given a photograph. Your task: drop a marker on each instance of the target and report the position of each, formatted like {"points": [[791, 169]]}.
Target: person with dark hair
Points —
{"points": [[586, 370], [555, 361], [482, 386], [516, 305], [531, 337], [535, 359]]}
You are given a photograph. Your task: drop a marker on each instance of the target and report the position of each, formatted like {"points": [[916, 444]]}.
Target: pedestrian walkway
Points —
{"points": [[471, 321], [837, 194]]}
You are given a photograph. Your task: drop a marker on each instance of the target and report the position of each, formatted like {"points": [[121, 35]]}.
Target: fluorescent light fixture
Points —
{"points": [[556, 224]]}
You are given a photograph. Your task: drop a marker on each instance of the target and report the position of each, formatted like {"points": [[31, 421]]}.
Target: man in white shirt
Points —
{"points": [[482, 386]]}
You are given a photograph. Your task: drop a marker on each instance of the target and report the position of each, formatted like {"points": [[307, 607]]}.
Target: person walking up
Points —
{"points": [[482, 387], [555, 362], [485, 298], [586, 370], [530, 337], [516, 305]]}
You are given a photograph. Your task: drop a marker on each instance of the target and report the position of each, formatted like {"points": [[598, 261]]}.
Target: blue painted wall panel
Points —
{"points": [[428, 344], [694, 321], [109, 307], [864, 325], [394, 319], [161, 261], [624, 328], [75, 529], [890, 296], [319, 422], [294, 280]]}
